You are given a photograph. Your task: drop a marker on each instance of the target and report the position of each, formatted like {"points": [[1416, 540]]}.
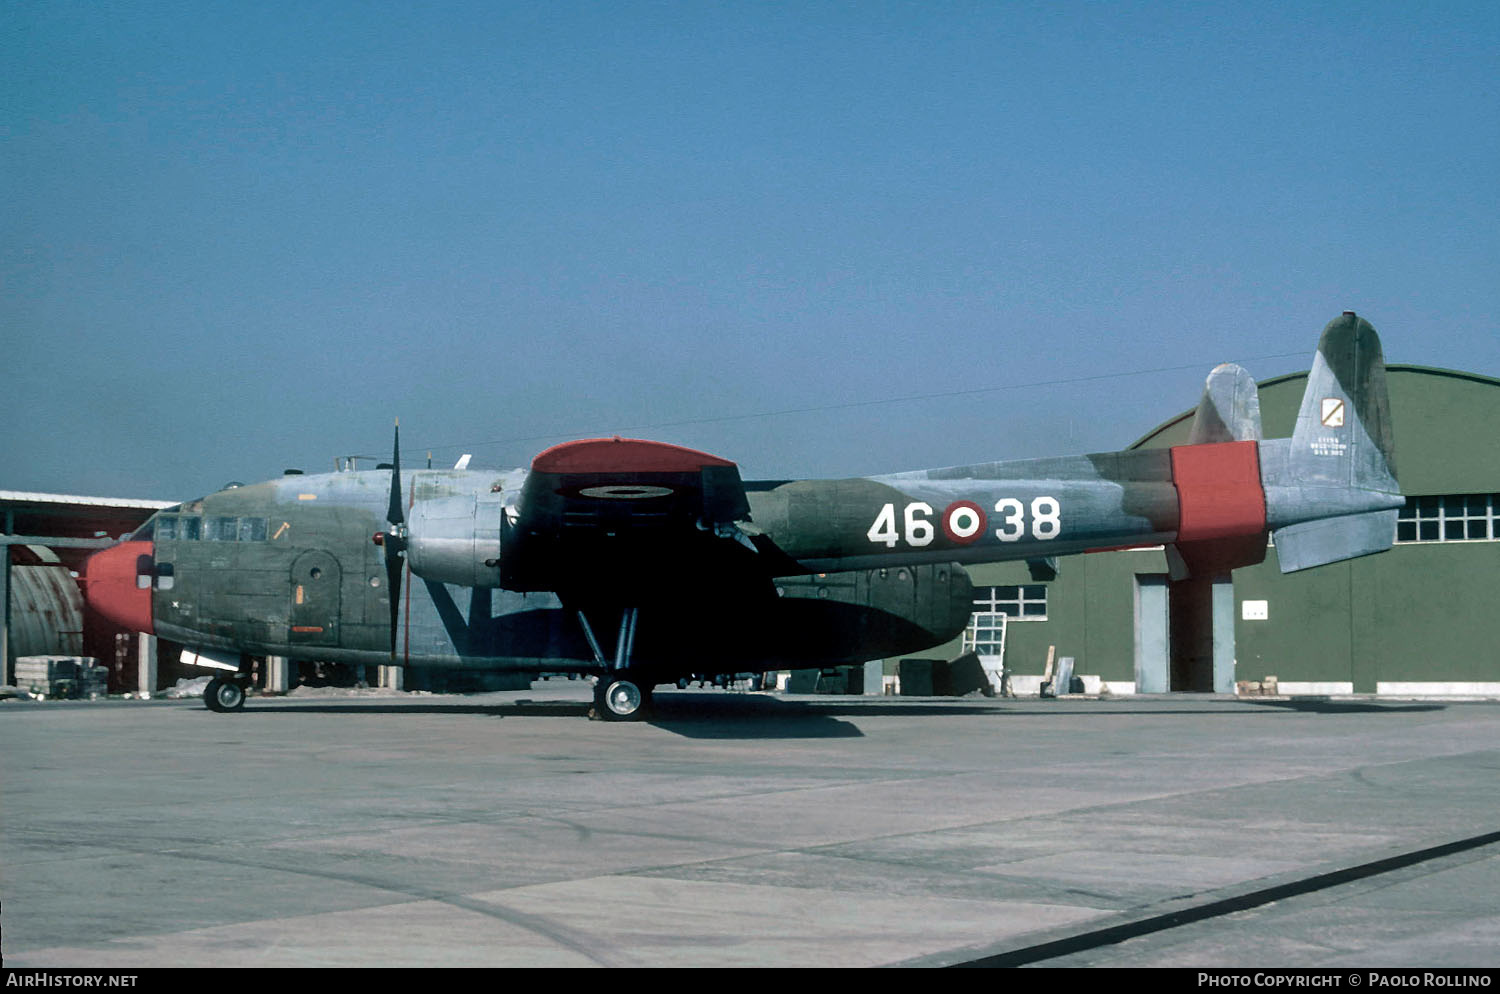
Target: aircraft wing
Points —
{"points": [[610, 515]]}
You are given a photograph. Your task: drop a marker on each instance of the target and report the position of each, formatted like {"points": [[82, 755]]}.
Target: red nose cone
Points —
{"points": [[118, 583]]}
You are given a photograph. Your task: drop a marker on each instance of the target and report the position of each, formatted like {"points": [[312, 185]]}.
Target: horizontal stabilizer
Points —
{"points": [[1330, 540]]}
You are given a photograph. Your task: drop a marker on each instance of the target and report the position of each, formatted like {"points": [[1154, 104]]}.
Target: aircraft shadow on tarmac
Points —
{"points": [[729, 716], [1316, 706]]}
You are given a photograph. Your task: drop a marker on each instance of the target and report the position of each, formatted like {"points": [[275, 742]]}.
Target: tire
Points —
{"points": [[224, 695], [621, 698]]}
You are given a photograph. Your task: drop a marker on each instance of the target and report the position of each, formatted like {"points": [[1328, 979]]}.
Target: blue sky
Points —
{"points": [[241, 237]]}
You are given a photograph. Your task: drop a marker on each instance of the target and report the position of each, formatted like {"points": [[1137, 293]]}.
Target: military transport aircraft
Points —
{"points": [[640, 561]]}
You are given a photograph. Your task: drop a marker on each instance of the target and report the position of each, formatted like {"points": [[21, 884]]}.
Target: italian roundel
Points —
{"points": [[963, 521], [632, 491]]}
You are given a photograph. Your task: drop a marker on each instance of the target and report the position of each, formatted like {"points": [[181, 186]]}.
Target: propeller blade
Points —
{"points": [[395, 539], [393, 511], [393, 569]]}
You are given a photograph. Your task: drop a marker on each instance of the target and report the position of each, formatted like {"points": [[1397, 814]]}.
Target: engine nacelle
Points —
{"points": [[456, 539]]}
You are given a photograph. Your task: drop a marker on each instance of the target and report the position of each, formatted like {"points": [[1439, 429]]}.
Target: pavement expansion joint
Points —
{"points": [[1183, 911]]}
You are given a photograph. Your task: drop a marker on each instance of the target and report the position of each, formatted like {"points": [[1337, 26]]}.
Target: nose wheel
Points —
{"points": [[224, 695]]}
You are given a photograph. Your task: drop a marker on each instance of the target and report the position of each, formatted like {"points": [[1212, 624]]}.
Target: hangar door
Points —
{"points": [[1152, 634], [1184, 634]]}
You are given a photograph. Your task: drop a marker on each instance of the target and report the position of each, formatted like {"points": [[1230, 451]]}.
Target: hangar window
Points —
{"points": [[985, 634], [1022, 603], [1449, 518]]}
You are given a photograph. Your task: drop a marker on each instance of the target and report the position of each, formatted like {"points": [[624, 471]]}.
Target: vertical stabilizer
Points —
{"points": [[1343, 436], [1229, 410], [1221, 507], [1342, 454]]}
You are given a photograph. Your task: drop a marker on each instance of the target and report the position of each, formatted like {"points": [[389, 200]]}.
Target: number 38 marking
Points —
{"points": [[1045, 522]]}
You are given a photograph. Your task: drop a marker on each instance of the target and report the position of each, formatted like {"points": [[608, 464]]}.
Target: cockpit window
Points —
{"points": [[190, 528], [166, 527], [144, 532]]}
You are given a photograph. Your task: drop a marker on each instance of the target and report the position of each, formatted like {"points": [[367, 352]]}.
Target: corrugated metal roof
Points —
{"points": [[46, 612], [22, 497]]}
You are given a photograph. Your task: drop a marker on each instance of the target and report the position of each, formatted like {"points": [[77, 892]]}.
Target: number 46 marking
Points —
{"points": [[1046, 522]]}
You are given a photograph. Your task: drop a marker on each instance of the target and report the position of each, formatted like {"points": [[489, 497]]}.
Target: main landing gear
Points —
{"points": [[623, 692], [225, 693], [621, 696]]}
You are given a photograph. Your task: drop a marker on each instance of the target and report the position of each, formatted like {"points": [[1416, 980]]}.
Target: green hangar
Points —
{"points": [[1422, 619]]}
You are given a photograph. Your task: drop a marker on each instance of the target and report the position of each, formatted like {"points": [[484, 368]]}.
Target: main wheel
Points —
{"points": [[224, 695], [621, 698]]}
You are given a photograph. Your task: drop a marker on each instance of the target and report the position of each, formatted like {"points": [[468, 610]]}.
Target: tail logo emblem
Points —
{"points": [[1333, 412]]}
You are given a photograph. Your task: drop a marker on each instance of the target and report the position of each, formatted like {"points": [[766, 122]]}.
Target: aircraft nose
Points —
{"points": [[117, 583]]}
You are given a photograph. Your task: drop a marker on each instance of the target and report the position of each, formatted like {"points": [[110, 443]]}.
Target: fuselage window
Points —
{"points": [[222, 530]]}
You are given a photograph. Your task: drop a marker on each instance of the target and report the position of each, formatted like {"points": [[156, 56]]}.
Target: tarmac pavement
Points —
{"points": [[736, 829]]}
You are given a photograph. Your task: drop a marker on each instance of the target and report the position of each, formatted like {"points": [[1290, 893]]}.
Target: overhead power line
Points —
{"points": [[845, 406]]}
